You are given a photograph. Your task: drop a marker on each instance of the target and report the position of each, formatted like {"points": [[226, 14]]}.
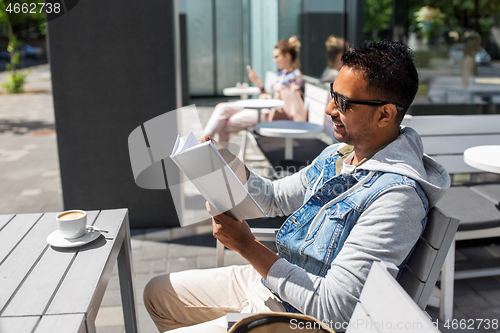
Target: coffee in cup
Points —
{"points": [[72, 223]]}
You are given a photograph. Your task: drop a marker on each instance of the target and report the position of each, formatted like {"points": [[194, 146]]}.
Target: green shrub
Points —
{"points": [[15, 78], [15, 82]]}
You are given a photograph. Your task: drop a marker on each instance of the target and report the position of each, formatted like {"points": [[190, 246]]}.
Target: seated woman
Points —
{"points": [[229, 118], [335, 47]]}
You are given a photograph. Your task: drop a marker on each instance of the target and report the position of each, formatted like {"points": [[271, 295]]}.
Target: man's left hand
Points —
{"points": [[235, 235]]}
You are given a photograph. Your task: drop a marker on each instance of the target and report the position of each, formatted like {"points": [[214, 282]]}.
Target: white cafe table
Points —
{"points": [[49, 289], [486, 158], [478, 87], [289, 129], [243, 92], [260, 104], [257, 104]]}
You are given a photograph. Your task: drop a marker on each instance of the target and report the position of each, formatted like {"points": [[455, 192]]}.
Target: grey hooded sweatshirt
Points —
{"points": [[386, 230]]}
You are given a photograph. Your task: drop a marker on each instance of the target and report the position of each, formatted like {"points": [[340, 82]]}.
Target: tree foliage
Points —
{"points": [[15, 22], [429, 19], [463, 15], [9, 19], [377, 16]]}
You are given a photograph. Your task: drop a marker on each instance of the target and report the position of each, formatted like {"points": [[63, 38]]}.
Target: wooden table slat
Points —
{"points": [[91, 216], [107, 221], [14, 232], [18, 324], [79, 285], [21, 260], [62, 324], [4, 219], [42, 282]]}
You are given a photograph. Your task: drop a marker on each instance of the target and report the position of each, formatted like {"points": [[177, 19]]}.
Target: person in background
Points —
{"points": [[335, 47], [229, 118]]}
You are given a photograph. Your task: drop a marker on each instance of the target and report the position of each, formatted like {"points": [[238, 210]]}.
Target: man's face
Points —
{"points": [[357, 126]]}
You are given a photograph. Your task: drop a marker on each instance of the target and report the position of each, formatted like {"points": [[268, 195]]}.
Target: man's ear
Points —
{"points": [[387, 115]]}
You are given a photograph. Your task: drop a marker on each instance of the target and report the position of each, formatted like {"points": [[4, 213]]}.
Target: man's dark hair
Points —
{"points": [[389, 69]]}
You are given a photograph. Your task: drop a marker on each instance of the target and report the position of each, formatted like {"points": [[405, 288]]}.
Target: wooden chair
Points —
{"points": [[384, 306], [421, 272], [445, 138]]}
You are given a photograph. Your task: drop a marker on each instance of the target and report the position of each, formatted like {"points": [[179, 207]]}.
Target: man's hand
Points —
{"points": [[237, 236], [238, 167]]}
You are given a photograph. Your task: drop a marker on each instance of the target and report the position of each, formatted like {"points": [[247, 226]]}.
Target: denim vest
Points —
{"points": [[315, 249]]}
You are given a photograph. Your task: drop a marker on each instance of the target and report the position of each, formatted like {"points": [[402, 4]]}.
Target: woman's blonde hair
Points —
{"points": [[291, 46], [334, 46]]}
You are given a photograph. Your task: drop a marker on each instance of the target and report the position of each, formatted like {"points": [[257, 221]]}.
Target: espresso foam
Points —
{"points": [[70, 216]]}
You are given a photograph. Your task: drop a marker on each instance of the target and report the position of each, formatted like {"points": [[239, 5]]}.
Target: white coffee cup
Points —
{"points": [[72, 223]]}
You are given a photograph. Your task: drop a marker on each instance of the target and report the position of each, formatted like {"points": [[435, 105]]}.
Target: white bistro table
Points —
{"points": [[243, 92], [260, 104], [257, 104], [486, 88], [289, 129], [49, 289], [486, 158]]}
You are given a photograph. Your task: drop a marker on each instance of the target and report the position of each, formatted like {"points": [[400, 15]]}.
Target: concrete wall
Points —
{"points": [[113, 68]]}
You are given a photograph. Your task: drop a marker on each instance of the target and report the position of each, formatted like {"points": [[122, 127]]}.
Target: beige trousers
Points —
{"points": [[203, 298]]}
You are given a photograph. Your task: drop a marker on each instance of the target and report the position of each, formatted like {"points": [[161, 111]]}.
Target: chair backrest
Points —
{"points": [[422, 269], [315, 101], [312, 80], [385, 307], [445, 138]]}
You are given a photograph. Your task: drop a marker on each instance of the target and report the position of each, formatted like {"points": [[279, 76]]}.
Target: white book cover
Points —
{"points": [[205, 167]]}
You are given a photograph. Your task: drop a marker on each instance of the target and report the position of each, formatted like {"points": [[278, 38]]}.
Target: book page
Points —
{"points": [[205, 167], [184, 144]]}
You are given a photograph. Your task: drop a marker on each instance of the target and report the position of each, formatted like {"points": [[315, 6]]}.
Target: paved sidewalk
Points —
{"points": [[30, 182]]}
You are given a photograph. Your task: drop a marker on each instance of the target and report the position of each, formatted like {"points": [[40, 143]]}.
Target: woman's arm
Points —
{"points": [[254, 77]]}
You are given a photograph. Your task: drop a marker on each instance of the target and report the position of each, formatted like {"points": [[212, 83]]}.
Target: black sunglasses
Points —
{"points": [[341, 102]]}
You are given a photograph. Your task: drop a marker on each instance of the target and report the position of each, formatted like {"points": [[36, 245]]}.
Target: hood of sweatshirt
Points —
{"points": [[405, 156]]}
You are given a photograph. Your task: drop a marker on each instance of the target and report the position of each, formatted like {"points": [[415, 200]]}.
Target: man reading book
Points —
{"points": [[362, 200]]}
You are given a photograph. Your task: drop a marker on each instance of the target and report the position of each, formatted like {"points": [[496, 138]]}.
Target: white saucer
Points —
{"points": [[57, 240]]}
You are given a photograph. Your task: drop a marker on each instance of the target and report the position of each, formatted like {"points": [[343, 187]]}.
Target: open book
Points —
{"points": [[205, 167]]}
